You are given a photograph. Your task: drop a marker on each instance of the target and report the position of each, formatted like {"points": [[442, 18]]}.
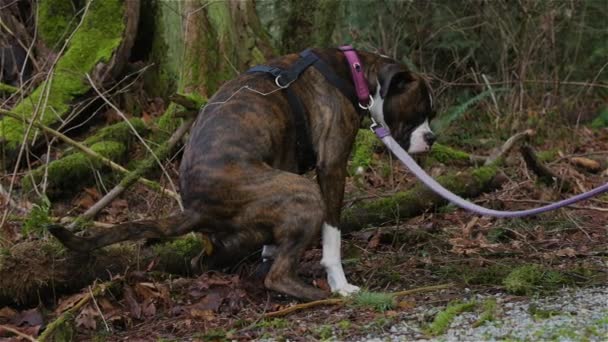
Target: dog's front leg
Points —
{"points": [[331, 178]]}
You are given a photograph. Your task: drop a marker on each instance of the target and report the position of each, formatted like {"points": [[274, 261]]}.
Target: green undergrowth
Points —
{"points": [[520, 278], [601, 120], [378, 301], [366, 143], [95, 42], [531, 278], [443, 319], [38, 218]]}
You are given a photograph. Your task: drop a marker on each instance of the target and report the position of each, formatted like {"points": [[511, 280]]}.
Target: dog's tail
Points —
{"points": [[175, 225]]}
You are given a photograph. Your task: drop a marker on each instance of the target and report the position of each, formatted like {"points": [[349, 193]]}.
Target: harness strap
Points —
{"points": [[305, 153], [330, 75]]}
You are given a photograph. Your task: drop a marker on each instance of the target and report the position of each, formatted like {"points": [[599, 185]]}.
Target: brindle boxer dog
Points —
{"points": [[239, 175]]}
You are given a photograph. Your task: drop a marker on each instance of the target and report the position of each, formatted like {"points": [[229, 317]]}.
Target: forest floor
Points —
{"points": [[491, 265]]}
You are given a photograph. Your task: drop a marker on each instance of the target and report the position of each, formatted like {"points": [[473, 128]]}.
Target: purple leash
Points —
{"points": [[387, 139]]}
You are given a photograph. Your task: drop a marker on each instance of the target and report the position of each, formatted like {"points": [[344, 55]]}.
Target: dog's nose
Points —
{"points": [[430, 138]]}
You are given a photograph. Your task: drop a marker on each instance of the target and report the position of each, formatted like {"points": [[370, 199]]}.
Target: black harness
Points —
{"points": [[305, 152]]}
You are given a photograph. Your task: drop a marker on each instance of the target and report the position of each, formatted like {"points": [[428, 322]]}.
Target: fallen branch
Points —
{"points": [[508, 146], [344, 300], [543, 173], [86, 150]]}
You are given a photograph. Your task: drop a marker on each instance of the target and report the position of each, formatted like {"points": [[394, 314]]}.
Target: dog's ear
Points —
{"points": [[393, 77]]}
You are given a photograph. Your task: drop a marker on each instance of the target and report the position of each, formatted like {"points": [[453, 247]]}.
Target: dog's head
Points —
{"points": [[403, 104]]}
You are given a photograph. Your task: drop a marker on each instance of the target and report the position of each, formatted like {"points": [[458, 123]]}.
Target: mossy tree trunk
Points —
{"points": [[309, 24], [99, 46]]}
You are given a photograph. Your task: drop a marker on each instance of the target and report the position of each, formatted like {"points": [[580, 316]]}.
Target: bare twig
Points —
{"points": [[543, 173], [340, 301], [508, 145], [124, 117]]}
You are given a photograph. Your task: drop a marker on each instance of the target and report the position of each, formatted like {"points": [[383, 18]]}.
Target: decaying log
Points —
{"points": [[543, 172], [40, 269]]}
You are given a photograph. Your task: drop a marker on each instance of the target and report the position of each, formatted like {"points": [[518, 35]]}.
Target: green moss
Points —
{"points": [[485, 174], [488, 314], [94, 42], [117, 132], [5, 88], [601, 120], [176, 254], [56, 18], [363, 151], [37, 218], [65, 173], [444, 154], [378, 301], [417, 199], [442, 321], [547, 156], [527, 279]]}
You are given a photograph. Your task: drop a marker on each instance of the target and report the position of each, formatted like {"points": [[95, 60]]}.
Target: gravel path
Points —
{"points": [[570, 315]]}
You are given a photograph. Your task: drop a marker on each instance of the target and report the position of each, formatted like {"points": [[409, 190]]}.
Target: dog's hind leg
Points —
{"points": [[293, 208]]}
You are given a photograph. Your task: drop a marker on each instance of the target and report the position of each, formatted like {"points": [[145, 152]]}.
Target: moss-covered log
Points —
{"points": [[41, 269], [76, 170], [100, 46], [407, 204]]}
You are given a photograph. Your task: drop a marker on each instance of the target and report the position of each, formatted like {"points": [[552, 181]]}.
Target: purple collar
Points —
{"points": [[356, 70]]}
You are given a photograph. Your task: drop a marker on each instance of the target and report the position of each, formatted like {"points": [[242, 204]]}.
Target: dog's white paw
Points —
{"points": [[347, 290]]}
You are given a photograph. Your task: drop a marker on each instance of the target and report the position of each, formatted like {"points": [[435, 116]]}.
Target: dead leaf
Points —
{"points": [[68, 303], [569, 252], [7, 313], [406, 305], [374, 241], [587, 164], [134, 307], [211, 301], [322, 284], [31, 317], [202, 314], [148, 308], [87, 318]]}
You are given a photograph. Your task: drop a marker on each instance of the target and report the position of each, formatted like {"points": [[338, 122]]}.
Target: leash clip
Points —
{"points": [[276, 81], [374, 125], [371, 103]]}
